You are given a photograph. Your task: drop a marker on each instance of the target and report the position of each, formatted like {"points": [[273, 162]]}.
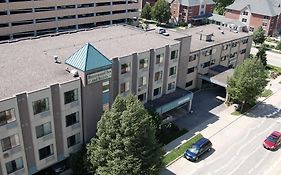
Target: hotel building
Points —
{"points": [[54, 89]]}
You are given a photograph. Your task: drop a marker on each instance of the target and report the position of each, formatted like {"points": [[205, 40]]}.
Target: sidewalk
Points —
{"points": [[215, 125]]}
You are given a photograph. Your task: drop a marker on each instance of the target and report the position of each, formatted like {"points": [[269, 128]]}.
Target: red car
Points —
{"points": [[272, 141]]}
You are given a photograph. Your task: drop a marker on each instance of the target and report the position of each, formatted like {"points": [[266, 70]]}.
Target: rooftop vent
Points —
{"points": [[219, 27], [160, 30], [222, 32], [56, 58], [74, 73]]}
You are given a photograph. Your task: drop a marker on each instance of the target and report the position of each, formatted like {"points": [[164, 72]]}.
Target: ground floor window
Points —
{"points": [[14, 165]]}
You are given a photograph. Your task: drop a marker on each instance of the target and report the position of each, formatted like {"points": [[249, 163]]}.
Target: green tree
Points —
{"points": [[261, 54], [125, 142], [259, 36], [278, 46], [78, 162], [247, 82], [221, 4], [146, 11], [161, 11]]}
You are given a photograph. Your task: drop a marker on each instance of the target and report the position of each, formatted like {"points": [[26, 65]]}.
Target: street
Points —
{"points": [[237, 148], [272, 57]]}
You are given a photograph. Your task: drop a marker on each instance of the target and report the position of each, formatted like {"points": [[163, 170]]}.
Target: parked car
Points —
{"points": [[197, 149], [272, 141]]}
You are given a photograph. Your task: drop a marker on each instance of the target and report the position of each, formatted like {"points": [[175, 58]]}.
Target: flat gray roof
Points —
{"points": [[28, 65], [217, 38]]}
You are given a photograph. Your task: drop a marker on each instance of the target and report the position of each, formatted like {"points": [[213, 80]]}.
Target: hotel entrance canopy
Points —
{"points": [[221, 75], [171, 101]]}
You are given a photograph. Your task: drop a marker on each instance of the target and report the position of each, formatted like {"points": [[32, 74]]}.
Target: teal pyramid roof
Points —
{"points": [[88, 58]]}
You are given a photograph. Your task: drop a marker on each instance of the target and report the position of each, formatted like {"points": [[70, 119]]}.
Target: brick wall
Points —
{"points": [[209, 8], [232, 14], [175, 9]]}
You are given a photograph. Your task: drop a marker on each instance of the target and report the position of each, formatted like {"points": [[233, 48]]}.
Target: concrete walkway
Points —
{"points": [[214, 125]]}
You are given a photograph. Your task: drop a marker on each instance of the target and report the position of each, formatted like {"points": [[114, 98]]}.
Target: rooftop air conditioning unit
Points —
{"points": [[74, 73]]}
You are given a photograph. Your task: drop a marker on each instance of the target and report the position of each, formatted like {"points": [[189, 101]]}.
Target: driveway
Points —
{"points": [[237, 147], [206, 103]]}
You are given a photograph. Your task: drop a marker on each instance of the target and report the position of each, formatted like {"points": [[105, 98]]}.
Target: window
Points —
{"points": [[124, 87], [143, 63], [73, 140], [105, 86], [207, 52], [125, 68], [225, 47], [7, 116], [174, 54], [206, 64], [245, 41], [142, 81], [142, 97], [202, 6], [244, 20], [40, 106], [234, 44], [158, 76], [71, 119], [159, 58], [264, 24], [157, 91], [266, 17], [171, 86], [243, 51], [10, 142], [173, 71], [190, 70], [46, 152], [188, 84], [223, 58], [212, 62], [233, 55], [14, 165], [245, 13], [192, 57], [70, 96], [251, 29], [43, 130]]}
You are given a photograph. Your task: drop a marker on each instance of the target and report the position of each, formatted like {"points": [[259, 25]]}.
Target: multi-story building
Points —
{"points": [[265, 13], [187, 10], [26, 18], [55, 89]]}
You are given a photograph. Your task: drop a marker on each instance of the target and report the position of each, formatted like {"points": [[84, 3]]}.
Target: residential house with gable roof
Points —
{"points": [[265, 13]]}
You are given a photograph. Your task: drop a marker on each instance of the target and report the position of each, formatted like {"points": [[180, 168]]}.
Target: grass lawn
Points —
{"points": [[170, 133], [266, 93], [236, 113], [273, 68], [177, 152]]}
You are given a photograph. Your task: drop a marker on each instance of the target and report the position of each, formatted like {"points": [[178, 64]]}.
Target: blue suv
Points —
{"points": [[197, 149]]}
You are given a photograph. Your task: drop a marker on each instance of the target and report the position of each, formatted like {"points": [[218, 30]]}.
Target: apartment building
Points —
{"points": [[188, 10], [53, 96], [265, 13], [27, 18]]}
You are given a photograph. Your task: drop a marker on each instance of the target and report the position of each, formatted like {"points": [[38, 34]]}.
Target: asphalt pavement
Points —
{"points": [[237, 143], [272, 57]]}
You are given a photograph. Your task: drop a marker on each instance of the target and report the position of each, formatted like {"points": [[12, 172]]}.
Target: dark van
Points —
{"points": [[197, 149]]}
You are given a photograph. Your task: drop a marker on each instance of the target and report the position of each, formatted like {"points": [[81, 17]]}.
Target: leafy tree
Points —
{"points": [[261, 54], [146, 11], [161, 11], [221, 4], [125, 142], [78, 162], [278, 46], [259, 36], [247, 82]]}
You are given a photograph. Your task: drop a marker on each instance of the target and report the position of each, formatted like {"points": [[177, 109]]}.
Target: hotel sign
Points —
{"points": [[98, 76]]}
